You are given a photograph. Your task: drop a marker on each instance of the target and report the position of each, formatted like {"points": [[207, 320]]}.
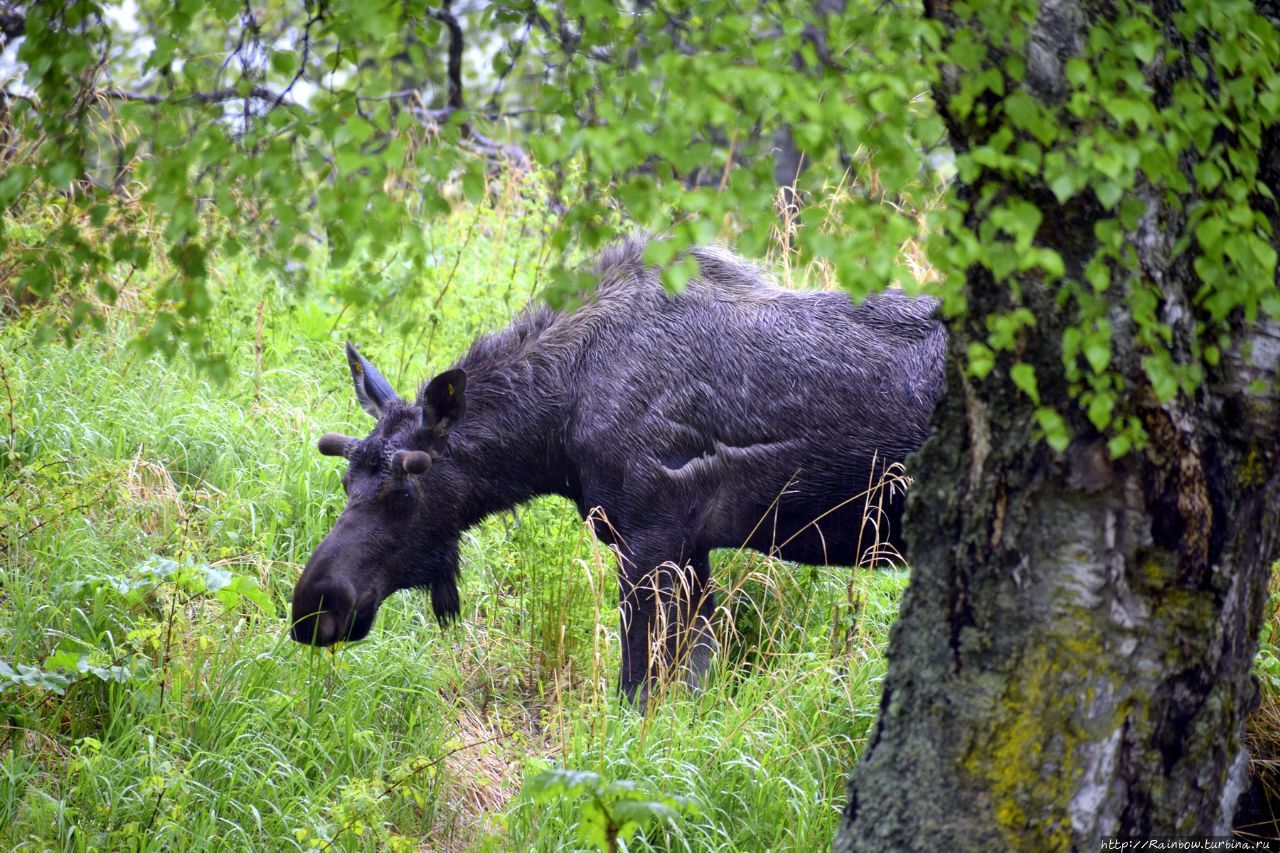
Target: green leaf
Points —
{"points": [[1024, 377], [23, 675], [980, 360], [1051, 263], [1056, 433], [675, 276], [213, 579], [1108, 193], [1163, 382], [473, 185], [1145, 49], [284, 62], [248, 588], [67, 660], [1077, 71], [1099, 410], [1097, 351], [1119, 445], [1064, 186], [642, 811], [554, 783]]}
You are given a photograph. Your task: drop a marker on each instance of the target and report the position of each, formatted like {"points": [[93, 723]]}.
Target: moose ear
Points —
{"points": [[372, 390], [444, 400]]}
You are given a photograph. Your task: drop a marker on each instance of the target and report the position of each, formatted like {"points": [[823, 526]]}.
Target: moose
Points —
{"points": [[734, 413]]}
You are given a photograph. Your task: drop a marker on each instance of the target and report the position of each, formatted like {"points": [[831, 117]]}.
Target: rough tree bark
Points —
{"points": [[1072, 658]]}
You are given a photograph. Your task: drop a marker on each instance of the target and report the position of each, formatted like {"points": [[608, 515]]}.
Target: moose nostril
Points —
{"points": [[327, 628], [321, 616]]}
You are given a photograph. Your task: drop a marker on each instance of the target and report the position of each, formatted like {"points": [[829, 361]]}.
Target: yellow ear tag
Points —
{"points": [[450, 389]]}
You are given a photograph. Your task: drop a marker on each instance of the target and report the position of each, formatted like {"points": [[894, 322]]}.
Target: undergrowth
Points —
{"points": [[153, 522]]}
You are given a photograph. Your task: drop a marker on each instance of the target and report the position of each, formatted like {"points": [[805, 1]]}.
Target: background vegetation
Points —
{"points": [[155, 522], [251, 183]]}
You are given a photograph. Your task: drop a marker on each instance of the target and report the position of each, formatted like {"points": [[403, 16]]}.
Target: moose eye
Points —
{"points": [[398, 498]]}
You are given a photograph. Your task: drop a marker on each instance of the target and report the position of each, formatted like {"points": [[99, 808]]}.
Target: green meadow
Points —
{"points": [[156, 516]]}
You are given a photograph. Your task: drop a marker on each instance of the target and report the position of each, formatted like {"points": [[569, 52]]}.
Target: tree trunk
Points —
{"points": [[1072, 658]]}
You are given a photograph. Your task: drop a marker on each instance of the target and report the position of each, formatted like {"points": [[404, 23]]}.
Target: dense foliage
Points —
{"points": [[1177, 163], [340, 123], [155, 523], [348, 124]]}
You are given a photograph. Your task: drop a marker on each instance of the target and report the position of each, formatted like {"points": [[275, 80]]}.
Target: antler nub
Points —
{"points": [[412, 461], [334, 444]]}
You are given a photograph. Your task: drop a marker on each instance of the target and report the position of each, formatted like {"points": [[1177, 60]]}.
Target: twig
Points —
{"points": [[257, 353], [515, 59], [35, 470], [489, 147], [168, 648], [13, 433], [155, 809], [457, 259], [448, 282], [450, 21], [306, 54], [4, 546], [728, 161], [215, 96]]}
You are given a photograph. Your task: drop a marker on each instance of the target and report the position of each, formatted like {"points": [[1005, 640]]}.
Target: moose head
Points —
{"points": [[401, 524]]}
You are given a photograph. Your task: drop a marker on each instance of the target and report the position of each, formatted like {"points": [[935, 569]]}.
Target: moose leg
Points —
{"points": [[638, 601], [666, 612], [690, 642]]}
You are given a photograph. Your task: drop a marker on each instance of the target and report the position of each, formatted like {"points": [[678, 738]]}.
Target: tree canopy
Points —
{"points": [[348, 125]]}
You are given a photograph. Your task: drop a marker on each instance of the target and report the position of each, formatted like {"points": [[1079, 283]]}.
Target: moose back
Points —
{"points": [[732, 414]]}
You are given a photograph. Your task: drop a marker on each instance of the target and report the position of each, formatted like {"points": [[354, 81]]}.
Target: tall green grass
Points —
{"points": [[162, 712]]}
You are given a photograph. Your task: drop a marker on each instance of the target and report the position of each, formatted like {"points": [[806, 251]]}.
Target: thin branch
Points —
{"points": [[306, 55], [252, 27], [13, 433], [450, 21], [440, 115], [6, 544], [9, 94], [515, 60], [215, 96], [437, 116], [482, 144], [493, 149], [36, 470], [471, 139]]}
